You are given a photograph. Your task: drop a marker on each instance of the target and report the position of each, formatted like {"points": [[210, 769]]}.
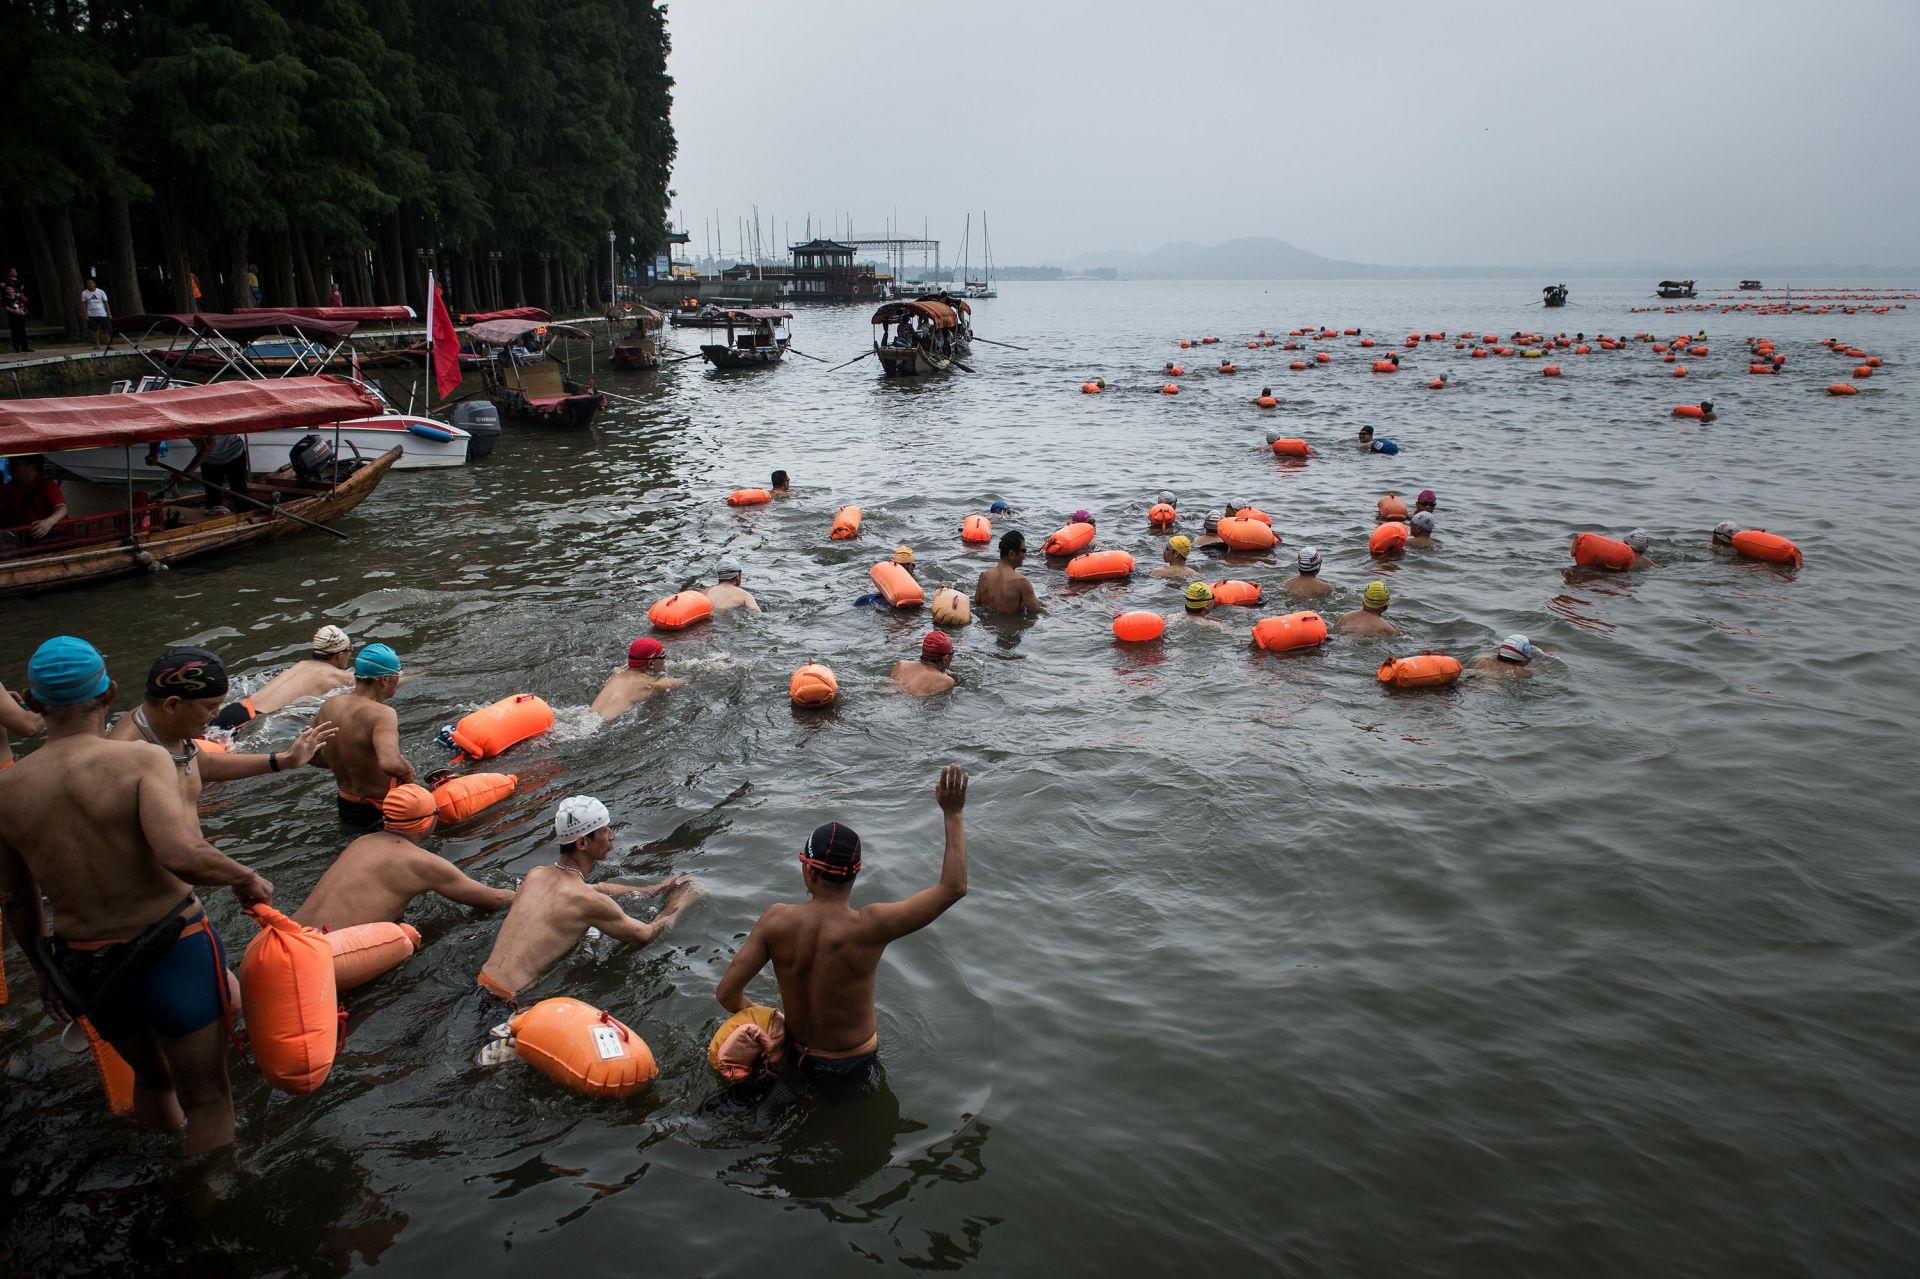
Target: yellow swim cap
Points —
{"points": [[903, 555], [1199, 596], [1376, 595], [1180, 544]]}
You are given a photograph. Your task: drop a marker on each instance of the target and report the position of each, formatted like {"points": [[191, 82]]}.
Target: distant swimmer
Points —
{"points": [[1082, 516], [781, 485], [1370, 618], [726, 594], [644, 675], [17, 721], [1427, 501], [378, 875], [1003, 588], [1722, 541], [185, 687], [1198, 598], [1365, 440], [555, 905], [1514, 657], [1307, 585], [328, 669], [1637, 542], [929, 675], [826, 954], [1210, 531], [1000, 508], [1421, 538], [1706, 411], [365, 757], [1179, 547], [904, 557], [98, 829]]}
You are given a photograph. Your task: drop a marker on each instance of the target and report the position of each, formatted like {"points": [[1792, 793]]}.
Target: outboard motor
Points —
{"points": [[481, 420], [314, 462]]}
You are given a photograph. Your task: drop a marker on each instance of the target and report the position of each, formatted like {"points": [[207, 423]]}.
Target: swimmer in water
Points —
{"points": [[377, 876], [780, 485], [1082, 517], [904, 557], [1427, 501], [726, 594], [1366, 439], [1000, 508], [1178, 548], [1198, 598], [1706, 411], [1723, 535], [644, 675], [365, 754], [929, 675], [1420, 536], [826, 954], [1307, 585], [1514, 658], [1209, 531], [555, 905], [97, 830], [1003, 588], [1637, 542], [327, 670], [1370, 618]]}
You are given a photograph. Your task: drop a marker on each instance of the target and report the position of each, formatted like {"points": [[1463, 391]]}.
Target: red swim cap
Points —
{"points": [[644, 650], [936, 644]]}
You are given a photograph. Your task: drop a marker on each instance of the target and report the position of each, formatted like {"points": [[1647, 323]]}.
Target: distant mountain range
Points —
{"points": [[1265, 258]]}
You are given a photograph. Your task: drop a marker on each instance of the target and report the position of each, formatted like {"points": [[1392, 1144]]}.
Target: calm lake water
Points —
{"points": [[1611, 970]]}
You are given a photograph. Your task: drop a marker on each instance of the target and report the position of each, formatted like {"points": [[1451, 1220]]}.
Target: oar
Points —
{"points": [[797, 351], [271, 510], [990, 342], [956, 364], [855, 360], [626, 399], [682, 360]]}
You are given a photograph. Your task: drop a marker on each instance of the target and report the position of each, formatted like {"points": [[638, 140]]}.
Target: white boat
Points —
{"points": [[978, 288]]}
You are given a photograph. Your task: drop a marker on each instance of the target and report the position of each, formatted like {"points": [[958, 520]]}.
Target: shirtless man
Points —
{"points": [[555, 905], [1003, 588], [1307, 584], [365, 757], [1370, 618], [378, 875], [1513, 658], [781, 485], [98, 827], [185, 687], [929, 675], [330, 668], [645, 675], [1209, 531], [1178, 548], [1420, 536], [726, 593], [825, 953], [17, 721]]}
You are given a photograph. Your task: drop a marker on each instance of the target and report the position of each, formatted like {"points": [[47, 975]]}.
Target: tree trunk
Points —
{"points": [[238, 295], [123, 274], [469, 288], [516, 281], [174, 249], [396, 291], [363, 291], [57, 268], [282, 293], [310, 293]]}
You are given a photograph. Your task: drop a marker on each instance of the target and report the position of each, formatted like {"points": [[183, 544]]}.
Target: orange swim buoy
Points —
{"points": [[846, 524], [897, 586], [1244, 534], [580, 1047], [508, 722], [1758, 544], [1429, 670], [1089, 388], [459, 798], [1208, 341], [1392, 507], [1137, 626], [1184, 344], [1863, 370], [1266, 401], [1873, 361], [1069, 540], [753, 1039], [1696, 350], [1254, 513], [1387, 538], [1160, 517], [365, 951], [1551, 370], [1689, 410], [1366, 341], [813, 685], [1292, 448], [1680, 370], [749, 497], [293, 1007], [1321, 357], [1590, 550], [1759, 368], [1385, 366], [1100, 566], [1236, 591], [1298, 364], [1294, 630], [976, 529], [1843, 388], [950, 608], [1437, 384], [1170, 389], [680, 610], [1225, 367]]}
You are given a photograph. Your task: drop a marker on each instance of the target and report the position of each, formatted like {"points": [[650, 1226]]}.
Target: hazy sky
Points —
{"points": [[1412, 134]]}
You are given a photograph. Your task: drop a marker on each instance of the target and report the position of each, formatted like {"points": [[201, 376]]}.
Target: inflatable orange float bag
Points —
{"points": [[813, 685], [1590, 550], [846, 524], [749, 497], [1758, 544], [1139, 626], [1070, 540], [751, 1040], [950, 608], [681, 609], [492, 729], [976, 529], [1429, 670], [1387, 538], [116, 1076], [459, 798], [898, 587], [1247, 534], [1295, 630], [1099, 566], [365, 951], [580, 1047], [292, 1002]]}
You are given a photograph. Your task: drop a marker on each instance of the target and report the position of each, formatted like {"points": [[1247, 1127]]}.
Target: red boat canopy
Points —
{"points": [[364, 314], [510, 313], [245, 325], [756, 313], [507, 332], [940, 313], [223, 408]]}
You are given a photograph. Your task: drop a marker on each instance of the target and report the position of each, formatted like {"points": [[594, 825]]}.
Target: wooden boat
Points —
{"points": [[699, 316], [539, 389], [1750, 286], [1555, 295], [755, 336], [1676, 289], [148, 535], [639, 349], [930, 334]]}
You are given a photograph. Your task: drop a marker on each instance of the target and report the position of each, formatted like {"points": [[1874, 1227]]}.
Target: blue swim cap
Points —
{"points": [[1384, 446], [999, 508], [376, 660], [66, 671]]}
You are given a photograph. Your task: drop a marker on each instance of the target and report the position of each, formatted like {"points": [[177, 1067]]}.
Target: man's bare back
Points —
{"points": [[378, 875], [626, 689], [1365, 622], [1306, 586], [309, 677], [552, 911], [1002, 589], [725, 595], [922, 679], [364, 754]]}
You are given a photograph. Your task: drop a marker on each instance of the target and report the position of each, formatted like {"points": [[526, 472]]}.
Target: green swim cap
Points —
{"points": [[1199, 596], [1376, 595]]}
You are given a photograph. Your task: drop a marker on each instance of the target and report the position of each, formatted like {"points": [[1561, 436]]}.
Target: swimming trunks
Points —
{"points": [[234, 714], [854, 1065], [355, 811], [171, 979], [489, 986]]}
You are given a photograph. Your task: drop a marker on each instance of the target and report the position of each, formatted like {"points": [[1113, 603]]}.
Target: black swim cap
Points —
{"points": [[833, 851], [191, 673]]}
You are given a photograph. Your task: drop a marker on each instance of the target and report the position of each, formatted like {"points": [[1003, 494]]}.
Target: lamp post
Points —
{"points": [[613, 270]]}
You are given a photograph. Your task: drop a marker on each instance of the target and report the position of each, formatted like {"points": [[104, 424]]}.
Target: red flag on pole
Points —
{"points": [[445, 343]]}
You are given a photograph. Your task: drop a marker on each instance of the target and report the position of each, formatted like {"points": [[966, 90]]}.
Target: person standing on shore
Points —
{"points": [[94, 299], [13, 300]]}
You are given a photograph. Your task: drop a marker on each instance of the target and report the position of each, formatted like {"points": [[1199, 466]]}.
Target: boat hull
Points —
{"points": [[271, 450], [722, 356], [910, 361]]}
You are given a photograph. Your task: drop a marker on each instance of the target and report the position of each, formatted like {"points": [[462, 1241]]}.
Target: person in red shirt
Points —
{"points": [[30, 503]]}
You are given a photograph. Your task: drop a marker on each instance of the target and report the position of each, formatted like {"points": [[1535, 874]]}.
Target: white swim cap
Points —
{"points": [[1638, 540], [578, 817], [330, 640], [1423, 520], [1167, 498], [1515, 648], [1309, 559]]}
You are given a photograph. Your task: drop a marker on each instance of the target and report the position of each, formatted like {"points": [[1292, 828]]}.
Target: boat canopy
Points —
{"points": [[507, 332], [364, 314], [186, 412], [942, 314], [245, 325], [753, 313], [508, 313]]}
